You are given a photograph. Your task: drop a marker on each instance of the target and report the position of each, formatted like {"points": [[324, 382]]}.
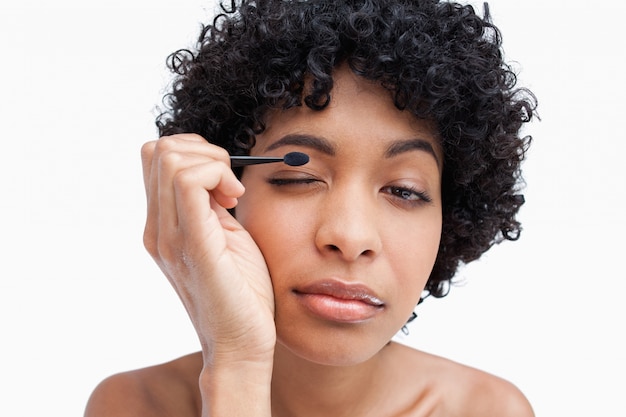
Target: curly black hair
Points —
{"points": [[439, 60]]}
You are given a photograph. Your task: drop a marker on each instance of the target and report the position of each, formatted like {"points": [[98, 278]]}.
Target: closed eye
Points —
{"points": [[291, 181]]}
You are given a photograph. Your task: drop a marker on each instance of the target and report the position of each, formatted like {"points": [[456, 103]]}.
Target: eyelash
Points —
{"points": [[407, 195], [290, 181]]}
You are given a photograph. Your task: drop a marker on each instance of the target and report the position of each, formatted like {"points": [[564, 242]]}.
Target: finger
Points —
{"points": [[154, 152], [150, 234], [162, 161], [197, 186], [183, 143], [187, 169], [147, 153], [192, 143]]}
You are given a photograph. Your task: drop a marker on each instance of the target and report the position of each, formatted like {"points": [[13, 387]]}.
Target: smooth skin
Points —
{"points": [[366, 210]]}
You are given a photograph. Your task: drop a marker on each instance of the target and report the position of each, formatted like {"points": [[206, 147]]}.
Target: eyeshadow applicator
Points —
{"points": [[293, 159]]}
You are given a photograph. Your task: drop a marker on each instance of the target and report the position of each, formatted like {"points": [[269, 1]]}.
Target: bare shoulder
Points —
{"points": [[461, 390], [486, 394], [167, 389]]}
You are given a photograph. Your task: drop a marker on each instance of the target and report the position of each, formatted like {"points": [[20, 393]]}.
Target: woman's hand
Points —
{"points": [[213, 264]]}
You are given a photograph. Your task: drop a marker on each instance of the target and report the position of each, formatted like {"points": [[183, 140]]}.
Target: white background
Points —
{"points": [[80, 299]]}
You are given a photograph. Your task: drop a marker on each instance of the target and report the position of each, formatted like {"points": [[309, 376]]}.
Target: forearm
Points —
{"points": [[241, 389]]}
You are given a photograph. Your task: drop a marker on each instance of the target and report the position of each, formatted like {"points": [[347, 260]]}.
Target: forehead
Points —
{"points": [[360, 114]]}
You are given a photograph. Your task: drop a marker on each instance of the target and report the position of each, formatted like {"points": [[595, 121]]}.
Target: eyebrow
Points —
{"points": [[403, 146], [324, 146], [308, 141]]}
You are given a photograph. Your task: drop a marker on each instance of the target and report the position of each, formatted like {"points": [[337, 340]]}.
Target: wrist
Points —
{"points": [[225, 355], [236, 389]]}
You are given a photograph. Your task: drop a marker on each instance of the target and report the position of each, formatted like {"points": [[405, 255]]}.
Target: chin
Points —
{"points": [[332, 345], [331, 354]]}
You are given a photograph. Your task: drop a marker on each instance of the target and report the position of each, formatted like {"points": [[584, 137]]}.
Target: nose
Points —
{"points": [[348, 224]]}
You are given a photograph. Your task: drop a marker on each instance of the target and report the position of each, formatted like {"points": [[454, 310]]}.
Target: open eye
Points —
{"points": [[407, 194]]}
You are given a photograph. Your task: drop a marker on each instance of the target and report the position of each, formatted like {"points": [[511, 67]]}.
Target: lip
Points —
{"points": [[338, 301]]}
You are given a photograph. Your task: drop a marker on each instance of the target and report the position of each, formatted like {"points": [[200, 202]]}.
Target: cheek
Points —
{"points": [[280, 231], [412, 255]]}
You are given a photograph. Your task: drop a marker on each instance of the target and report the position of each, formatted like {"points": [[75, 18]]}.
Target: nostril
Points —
{"points": [[334, 248]]}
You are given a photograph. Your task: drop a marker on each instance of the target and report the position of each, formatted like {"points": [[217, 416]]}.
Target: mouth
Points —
{"points": [[337, 301]]}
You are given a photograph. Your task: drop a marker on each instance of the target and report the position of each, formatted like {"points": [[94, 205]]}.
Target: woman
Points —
{"points": [[297, 277]]}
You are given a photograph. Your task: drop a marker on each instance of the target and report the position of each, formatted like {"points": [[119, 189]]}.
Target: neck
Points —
{"points": [[303, 388]]}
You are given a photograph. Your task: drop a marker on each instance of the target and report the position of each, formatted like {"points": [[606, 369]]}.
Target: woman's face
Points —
{"points": [[351, 237]]}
